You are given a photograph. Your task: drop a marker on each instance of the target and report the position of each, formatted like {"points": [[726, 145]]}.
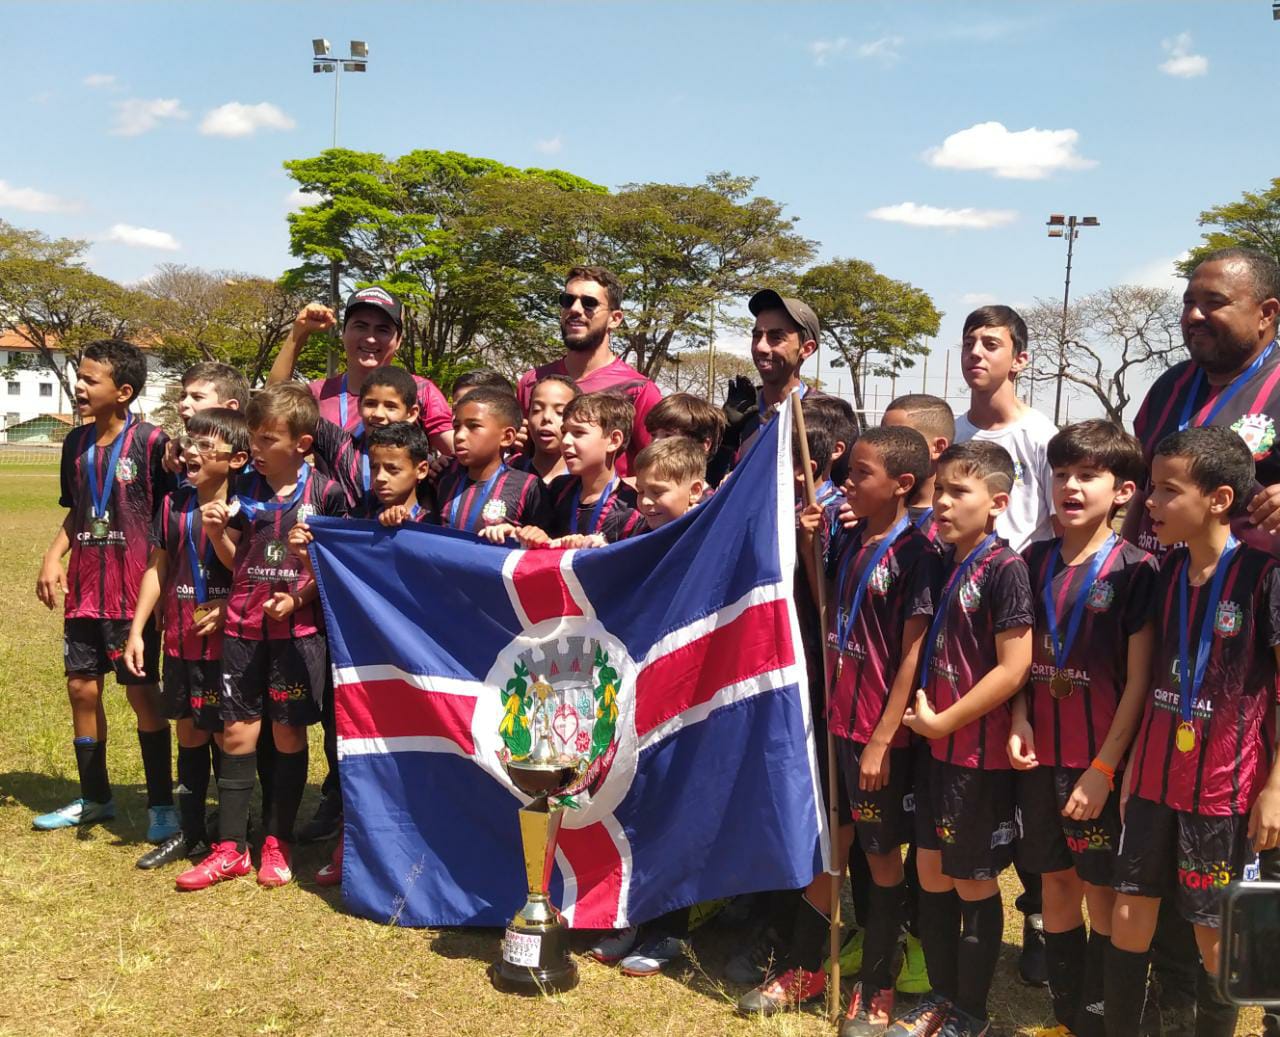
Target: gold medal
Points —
{"points": [[199, 613], [100, 528], [1185, 739], [1060, 686]]}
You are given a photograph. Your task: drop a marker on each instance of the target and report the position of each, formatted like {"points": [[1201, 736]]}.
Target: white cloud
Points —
{"points": [[28, 199], [99, 80], [884, 49], [1030, 154], [1181, 62], [824, 50], [914, 215], [550, 146], [299, 199], [1159, 273], [142, 237], [137, 115], [234, 119], [976, 299]]}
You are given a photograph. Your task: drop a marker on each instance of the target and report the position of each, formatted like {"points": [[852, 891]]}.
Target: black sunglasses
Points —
{"points": [[589, 303]]}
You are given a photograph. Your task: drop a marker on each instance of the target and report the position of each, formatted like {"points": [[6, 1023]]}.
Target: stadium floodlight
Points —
{"points": [[320, 48], [1061, 226], [1090, 221], [1056, 232], [1057, 220], [359, 49]]}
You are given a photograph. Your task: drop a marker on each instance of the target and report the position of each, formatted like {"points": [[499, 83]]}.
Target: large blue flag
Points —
{"points": [[678, 670]]}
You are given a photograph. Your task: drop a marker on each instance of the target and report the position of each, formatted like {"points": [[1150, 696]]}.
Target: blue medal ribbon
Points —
{"points": [[342, 410], [477, 502], [1189, 688], [944, 603], [845, 619], [595, 512], [923, 518], [1223, 397], [100, 495], [199, 566], [1062, 645], [253, 508]]}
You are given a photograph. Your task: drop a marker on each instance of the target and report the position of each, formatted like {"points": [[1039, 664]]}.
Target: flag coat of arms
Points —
{"points": [[677, 660]]}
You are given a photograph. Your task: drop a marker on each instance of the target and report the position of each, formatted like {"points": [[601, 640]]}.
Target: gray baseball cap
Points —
{"points": [[798, 311]]}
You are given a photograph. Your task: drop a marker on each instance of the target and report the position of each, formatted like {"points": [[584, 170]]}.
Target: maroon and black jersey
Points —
{"points": [[105, 572], [519, 498], [372, 508], [341, 456], [177, 519], [1233, 713], [617, 519], [1070, 731], [264, 564], [922, 518], [1252, 410], [994, 596], [903, 585], [336, 402]]}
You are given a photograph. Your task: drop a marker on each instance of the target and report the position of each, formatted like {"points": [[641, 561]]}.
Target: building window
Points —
{"points": [[15, 388], [46, 389]]}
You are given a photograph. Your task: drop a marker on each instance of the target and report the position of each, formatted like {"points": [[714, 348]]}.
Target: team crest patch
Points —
{"points": [[881, 579], [274, 552], [493, 512], [305, 511], [1101, 595], [126, 469], [1258, 432], [970, 596], [1229, 619]]}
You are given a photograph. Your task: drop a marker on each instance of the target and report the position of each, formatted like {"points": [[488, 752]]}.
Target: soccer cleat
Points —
{"points": [[163, 822], [77, 812], [172, 849], [790, 990], [755, 963], [867, 1017], [612, 945], [331, 873], [326, 823], [1033, 964], [224, 862], [273, 867], [924, 1020], [850, 954], [1053, 1031], [913, 977], [650, 956], [962, 1024]]}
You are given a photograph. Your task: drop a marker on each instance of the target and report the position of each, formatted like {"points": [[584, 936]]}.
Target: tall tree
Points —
{"points": [[1253, 222], [878, 324], [687, 371]]}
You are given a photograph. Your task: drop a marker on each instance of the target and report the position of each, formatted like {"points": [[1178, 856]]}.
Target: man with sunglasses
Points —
{"points": [[590, 309]]}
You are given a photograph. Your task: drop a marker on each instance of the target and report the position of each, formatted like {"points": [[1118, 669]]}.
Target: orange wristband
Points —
{"points": [[1107, 772]]}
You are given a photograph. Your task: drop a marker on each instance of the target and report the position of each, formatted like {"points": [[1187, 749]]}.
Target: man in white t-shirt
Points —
{"points": [[993, 351]]}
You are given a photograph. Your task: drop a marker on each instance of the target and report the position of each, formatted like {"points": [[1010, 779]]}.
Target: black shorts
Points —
{"points": [[1166, 852], [820, 741], [283, 681], [967, 814], [1047, 841], [193, 688], [885, 818], [95, 647]]}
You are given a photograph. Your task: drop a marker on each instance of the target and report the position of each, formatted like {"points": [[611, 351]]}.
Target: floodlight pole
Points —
{"points": [[1065, 227]]}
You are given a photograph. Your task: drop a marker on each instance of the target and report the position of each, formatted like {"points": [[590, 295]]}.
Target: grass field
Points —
{"points": [[91, 945]]}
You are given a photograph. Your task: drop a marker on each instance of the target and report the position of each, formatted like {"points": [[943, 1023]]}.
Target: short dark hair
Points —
{"points": [[1215, 456], [612, 411], [996, 316], [1263, 269], [930, 415], [128, 365], [902, 450], [820, 436], [229, 383], [504, 405], [290, 402], [837, 415], [602, 276], [396, 379], [229, 425], [687, 415], [558, 379], [400, 435], [482, 376], [676, 457], [1102, 444], [982, 459]]}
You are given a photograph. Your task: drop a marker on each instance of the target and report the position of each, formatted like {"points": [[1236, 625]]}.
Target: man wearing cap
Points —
{"points": [[590, 308], [372, 328]]}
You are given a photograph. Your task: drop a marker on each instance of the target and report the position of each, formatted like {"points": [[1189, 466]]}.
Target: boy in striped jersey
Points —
{"points": [[113, 482]]}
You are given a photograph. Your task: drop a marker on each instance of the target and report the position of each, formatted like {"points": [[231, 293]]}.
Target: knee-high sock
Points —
{"points": [[235, 789], [1215, 1016], [193, 779], [91, 763], [1126, 985], [940, 937], [1066, 954], [887, 909], [1089, 1021], [978, 950], [157, 766], [291, 780]]}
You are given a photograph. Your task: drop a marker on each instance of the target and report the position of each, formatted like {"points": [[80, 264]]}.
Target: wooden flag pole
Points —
{"points": [[834, 865]]}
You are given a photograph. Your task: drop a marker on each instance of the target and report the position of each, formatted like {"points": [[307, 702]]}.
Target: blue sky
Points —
{"points": [[1147, 113]]}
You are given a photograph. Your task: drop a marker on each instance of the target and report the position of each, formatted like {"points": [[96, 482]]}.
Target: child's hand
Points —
{"points": [[1088, 797], [874, 770], [172, 459], [215, 515], [810, 520], [1022, 746], [438, 464], [846, 517], [213, 620], [300, 537], [532, 536], [578, 541], [1264, 820], [51, 580], [280, 605], [923, 720], [133, 655], [497, 534], [395, 515]]}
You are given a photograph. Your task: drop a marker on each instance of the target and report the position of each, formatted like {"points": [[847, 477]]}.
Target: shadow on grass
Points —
{"points": [[41, 793], [482, 945]]}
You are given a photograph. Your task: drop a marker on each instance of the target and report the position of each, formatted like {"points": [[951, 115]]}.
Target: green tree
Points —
{"points": [[50, 299], [1253, 222], [878, 324], [687, 371]]}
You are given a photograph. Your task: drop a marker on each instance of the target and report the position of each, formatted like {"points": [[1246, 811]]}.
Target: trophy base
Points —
{"points": [[542, 966]]}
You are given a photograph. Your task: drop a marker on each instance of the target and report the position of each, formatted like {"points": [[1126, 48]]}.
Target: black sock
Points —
{"points": [[215, 759], [809, 937], [193, 779], [291, 780], [912, 891], [235, 789], [1125, 985], [91, 763], [887, 908], [266, 767], [1089, 1021], [940, 937], [1066, 953], [859, 885], [977, 951], [1215, 1017], [157, 766]]}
